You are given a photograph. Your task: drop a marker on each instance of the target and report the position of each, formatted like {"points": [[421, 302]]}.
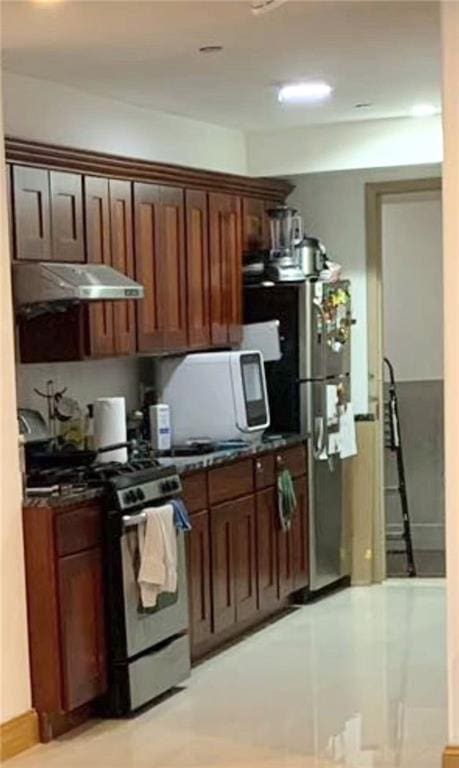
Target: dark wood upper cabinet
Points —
{"points": [[198, 273], [32, 213], [199, 588], [146, 224], [160, 267], [67, 229], [172, 268], [255, 224], [82, 627], [122, 246], [225, 269], [101, 333]]}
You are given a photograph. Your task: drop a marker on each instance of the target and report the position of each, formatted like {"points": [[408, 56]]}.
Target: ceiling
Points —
{"points": [[146, 53]]}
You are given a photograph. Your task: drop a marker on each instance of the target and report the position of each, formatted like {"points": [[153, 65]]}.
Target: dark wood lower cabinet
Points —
{"points": [[65, 607], [244, 552], [199, 591], [82, 629], [267, 568], [241, 566], [233, 562], [221, 541], [285, 562], [300, 536]]}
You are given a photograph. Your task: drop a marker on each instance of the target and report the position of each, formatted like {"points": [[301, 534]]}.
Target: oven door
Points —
{"points": [[146, 629]]}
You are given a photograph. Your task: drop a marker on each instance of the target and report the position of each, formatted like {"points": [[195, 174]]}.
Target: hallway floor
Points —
{"points": [[356, 680]]}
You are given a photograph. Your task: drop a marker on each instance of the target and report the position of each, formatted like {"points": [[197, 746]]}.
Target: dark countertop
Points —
{"points": [[64, 499], [186, 465]]}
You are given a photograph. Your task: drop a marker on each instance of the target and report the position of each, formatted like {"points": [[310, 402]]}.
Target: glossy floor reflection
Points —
{"points": [[356, 680]]}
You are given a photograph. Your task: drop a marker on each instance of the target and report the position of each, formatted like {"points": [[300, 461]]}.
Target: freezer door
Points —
{"points": [[330, 321], [326, 528]]}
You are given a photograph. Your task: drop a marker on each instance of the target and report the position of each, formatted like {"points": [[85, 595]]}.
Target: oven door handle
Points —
{"points": [[130, 520]]}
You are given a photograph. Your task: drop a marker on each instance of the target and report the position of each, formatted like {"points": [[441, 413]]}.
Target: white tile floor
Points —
{"points": [[356, 680]]}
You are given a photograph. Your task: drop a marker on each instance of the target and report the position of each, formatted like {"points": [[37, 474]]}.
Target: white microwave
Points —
{"points": [[217, 395]]}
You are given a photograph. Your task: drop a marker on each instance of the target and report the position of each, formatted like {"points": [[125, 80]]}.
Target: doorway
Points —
{"points": [[405, 324]]}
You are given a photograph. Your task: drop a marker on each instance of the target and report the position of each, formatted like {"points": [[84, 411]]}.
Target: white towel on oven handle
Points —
{"points": [[158, 554]]}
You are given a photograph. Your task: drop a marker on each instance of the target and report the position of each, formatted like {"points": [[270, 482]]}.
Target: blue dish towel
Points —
{"points": [[181, 518]]}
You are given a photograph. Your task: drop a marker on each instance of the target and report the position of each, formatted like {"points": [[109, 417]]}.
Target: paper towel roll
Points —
{"points": [[110, 427]]}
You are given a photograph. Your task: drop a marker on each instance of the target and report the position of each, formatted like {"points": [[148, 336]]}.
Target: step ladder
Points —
{"points": [[393, 443]]}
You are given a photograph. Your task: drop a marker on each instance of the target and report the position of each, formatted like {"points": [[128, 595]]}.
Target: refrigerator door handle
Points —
{"points": [[322, 443]]}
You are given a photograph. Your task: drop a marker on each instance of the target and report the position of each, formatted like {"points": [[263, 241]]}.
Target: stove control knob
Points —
{"points": [[166, 486], [174, 484], [127, 497], [140, 495]]}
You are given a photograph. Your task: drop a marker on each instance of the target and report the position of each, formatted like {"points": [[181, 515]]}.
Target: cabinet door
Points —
{"points": [[223, 577], [122, 260], [225, 269], [32, 213], [267, 573], [234, 282], [285, 561], [244, 549], [98, 247], [199, 591], [255, 224], [147, 224], [300, 535], [198, 282], [171, 269], [67, 216], [81, 613]]}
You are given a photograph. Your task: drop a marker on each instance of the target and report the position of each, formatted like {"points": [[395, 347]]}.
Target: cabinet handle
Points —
{"points": [[259, 466], [279, 460]]}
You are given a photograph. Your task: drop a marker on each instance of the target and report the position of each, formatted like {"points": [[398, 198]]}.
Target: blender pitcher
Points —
{"points": [[285, 223]]}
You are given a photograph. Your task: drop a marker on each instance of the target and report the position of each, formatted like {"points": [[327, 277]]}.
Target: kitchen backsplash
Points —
{"points": [[85, 381]]}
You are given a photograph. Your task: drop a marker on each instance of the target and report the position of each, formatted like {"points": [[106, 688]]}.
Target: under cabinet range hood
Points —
{"points": [[47, 286]]}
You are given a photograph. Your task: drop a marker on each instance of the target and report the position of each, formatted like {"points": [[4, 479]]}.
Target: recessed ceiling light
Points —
{"points": [[424, 110], [304, 92], [211, 49]]}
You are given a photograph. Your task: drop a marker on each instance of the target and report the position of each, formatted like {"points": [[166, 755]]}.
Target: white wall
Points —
{"points": [[450, 14], [14, 661], [85, 381], [44, 111], [345, 146], [413, 285], [333, 207]]}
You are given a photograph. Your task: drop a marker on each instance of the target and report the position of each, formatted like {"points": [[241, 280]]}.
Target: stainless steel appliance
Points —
{"points": [[304, 388], [286, 230], [216, 395], [148, 651], [311, 256], [45, 286]]}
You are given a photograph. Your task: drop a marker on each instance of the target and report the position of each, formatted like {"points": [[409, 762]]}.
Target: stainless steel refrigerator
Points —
{"points": [[304, 388], [325, 323]]}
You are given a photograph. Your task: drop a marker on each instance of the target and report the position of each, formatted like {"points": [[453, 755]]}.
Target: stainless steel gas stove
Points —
{"points": [[148, 651]]}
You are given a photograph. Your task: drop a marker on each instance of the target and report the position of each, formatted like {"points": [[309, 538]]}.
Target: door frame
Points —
{"points": [[374, 195]]}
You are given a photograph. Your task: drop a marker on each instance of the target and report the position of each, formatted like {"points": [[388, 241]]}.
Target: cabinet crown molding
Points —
{"points": [[53, 156]]}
